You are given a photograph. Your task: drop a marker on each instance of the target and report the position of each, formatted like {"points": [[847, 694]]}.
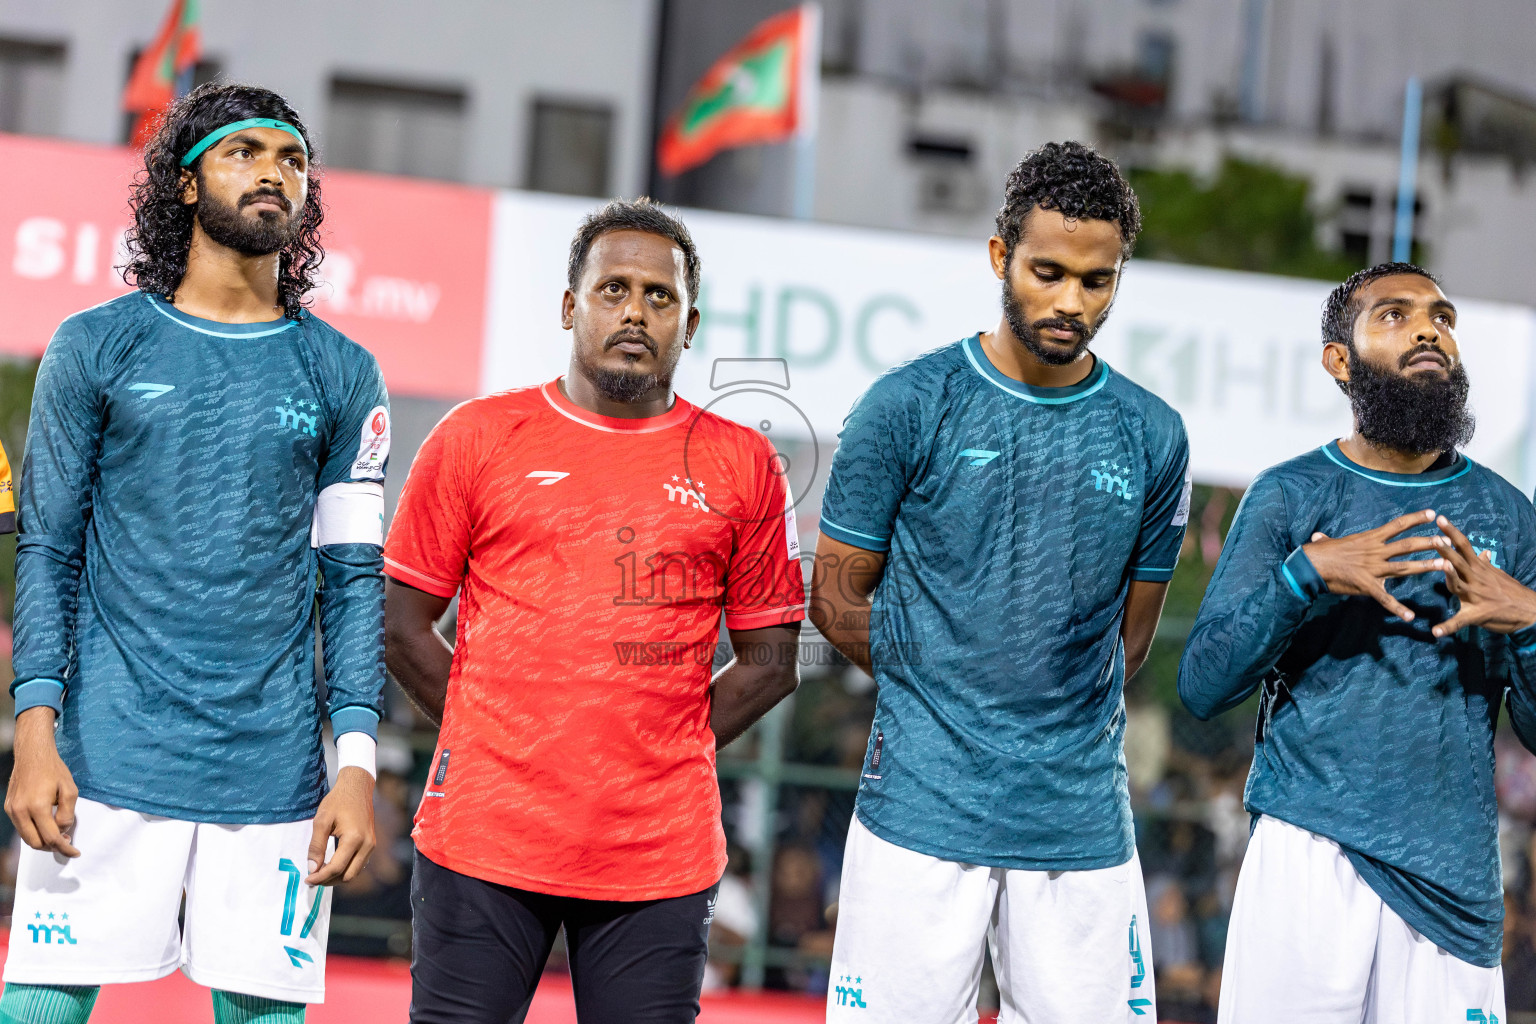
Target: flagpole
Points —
{"points": [[1407, 171], [805, 177], [803, 195]]}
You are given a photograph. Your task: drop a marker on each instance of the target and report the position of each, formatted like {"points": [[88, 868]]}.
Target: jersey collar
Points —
{"points": [[1458, 466], [977, 357], [680, 412], [217, 328]]}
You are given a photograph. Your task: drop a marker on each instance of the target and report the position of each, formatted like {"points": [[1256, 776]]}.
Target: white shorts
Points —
{"points": [[110, 915], [1311, 943], [911, 929]]}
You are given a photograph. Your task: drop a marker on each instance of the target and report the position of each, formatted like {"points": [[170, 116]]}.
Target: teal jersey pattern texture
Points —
{"points": [[1014, 519], [167, 578], [1371, 731]]}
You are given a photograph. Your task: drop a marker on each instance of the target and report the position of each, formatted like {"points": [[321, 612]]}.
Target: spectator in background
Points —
{"points": [[735, 921], [1148, 743], [1519, 956], [1181, 995], [797, 913], [1175, 941]]}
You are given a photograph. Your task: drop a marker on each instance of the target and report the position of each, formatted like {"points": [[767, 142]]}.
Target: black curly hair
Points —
{"points": [[643, 214], [1340, 308], [1075, 180], [161, 235]]}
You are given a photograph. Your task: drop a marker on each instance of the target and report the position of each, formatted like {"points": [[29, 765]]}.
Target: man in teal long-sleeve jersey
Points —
{"points": [[204, 467], [1376, 592]]}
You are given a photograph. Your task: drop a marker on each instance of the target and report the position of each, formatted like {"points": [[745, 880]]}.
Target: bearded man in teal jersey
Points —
{"points": [[205, 461]]}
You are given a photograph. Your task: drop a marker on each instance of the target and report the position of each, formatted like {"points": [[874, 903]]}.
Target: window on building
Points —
{"points": [[203, 71], [396, 129], [1154, 57], [1367, 220], [31, 87], [1356, 216], [947, 180], [569, 146]]}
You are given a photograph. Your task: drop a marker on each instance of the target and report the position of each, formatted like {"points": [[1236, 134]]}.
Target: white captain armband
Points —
{"points": [[350, 513], [357, 750]]}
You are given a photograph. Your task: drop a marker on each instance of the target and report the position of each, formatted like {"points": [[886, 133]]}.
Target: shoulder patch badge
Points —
{"points": [[373, 448]]}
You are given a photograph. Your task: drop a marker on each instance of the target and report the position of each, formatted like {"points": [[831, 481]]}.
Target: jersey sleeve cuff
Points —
{"points": [[1151, 574], [759, 619], [355, 719], [854, 538], [39, 693], [418, 579], [1524, 640], [1301, 577]]}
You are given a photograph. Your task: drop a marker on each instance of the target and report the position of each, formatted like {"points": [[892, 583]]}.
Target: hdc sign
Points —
{"points": [[404, 273]]}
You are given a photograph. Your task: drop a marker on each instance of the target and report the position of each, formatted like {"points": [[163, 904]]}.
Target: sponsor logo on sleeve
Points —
{"points": [[1181, 514], [373, 448], [791, 532]]}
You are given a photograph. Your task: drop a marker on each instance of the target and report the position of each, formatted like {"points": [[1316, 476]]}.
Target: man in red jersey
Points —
{"points": [[595, 528]]}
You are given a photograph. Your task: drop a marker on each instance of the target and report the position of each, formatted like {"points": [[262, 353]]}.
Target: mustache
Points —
{"points": [[1060, 323], [621, 336], [1419, 350], [266, 193]]}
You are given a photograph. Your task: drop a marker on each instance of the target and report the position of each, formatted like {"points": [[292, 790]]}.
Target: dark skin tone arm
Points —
{"points": [[1361, 563], [741, 693], [845, 576], [414, 651]]}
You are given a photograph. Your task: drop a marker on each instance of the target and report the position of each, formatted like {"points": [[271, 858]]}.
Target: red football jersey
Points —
{"points": [[593, 557]]}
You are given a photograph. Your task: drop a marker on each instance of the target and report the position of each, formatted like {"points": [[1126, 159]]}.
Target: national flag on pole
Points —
{"points": [[762, 91], [164, 70]]}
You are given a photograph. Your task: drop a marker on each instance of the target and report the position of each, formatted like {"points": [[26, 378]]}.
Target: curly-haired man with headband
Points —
{"points": [[204, 465], [997, 535], [1377, 593]]}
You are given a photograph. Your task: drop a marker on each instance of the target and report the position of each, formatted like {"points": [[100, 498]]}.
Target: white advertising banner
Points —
{"points": [[1238, 355]]}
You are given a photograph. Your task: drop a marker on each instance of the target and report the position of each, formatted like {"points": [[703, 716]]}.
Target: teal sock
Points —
{"points": [[48, 1004], [234, 1008]]}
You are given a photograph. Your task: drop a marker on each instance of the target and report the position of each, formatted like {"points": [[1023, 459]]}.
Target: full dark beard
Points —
{"points": [[622, 385], [259, 236], [1030, 332], [1417, 414]]}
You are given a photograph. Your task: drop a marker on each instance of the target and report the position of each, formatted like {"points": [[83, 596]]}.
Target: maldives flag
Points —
{"points": [[762, 91], [164, 70]]}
